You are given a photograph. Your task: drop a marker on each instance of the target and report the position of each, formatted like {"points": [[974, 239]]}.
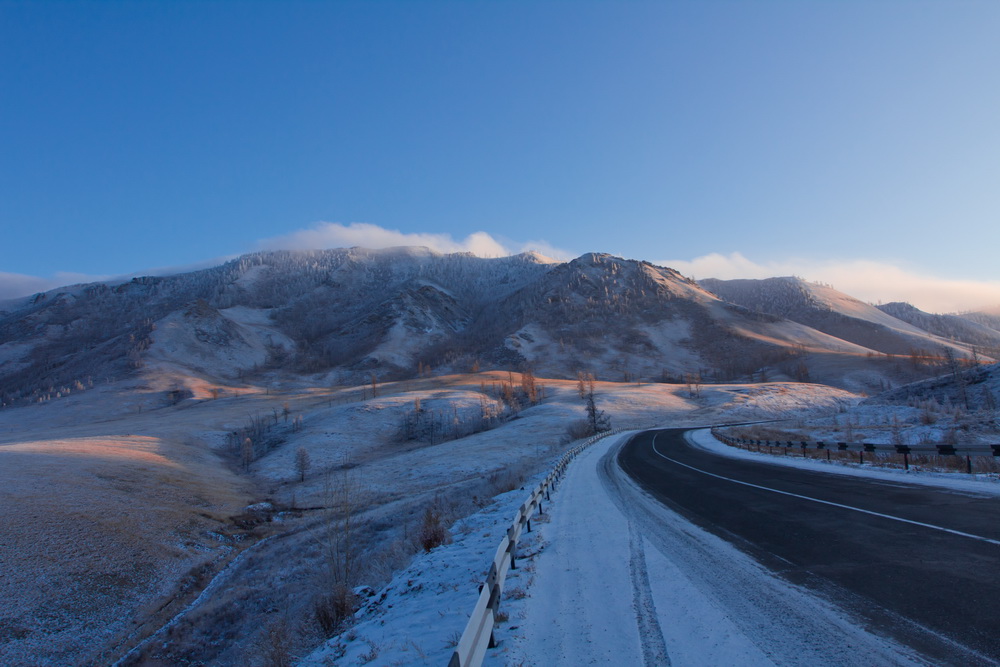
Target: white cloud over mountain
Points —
{"points": [[367, 235], [868, 280], [13, 285]]}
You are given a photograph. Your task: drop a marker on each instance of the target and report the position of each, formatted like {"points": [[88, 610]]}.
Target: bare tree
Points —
{"points": [[340, 551], [302, 463], [956, 371], [597, 421], [529, 386], [693, 384], [247, 453]]}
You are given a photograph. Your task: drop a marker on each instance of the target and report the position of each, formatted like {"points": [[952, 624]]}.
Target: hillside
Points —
{"points": [[835, 313], [955, 327]]}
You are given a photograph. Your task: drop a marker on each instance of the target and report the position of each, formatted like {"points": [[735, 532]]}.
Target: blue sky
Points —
{"points": [[851, 142]]}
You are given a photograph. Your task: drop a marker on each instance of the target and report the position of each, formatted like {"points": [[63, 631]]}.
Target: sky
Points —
{"points": [[853, 143]]}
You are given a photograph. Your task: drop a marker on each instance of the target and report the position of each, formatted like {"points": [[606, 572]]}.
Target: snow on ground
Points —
{"points": [[418, 617], [82, 553], [126, 486], [987, 484], [920, 421], [582, 573], [619, 579]]}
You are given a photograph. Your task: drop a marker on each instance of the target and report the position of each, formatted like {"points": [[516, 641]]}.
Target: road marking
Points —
{"points": [[825, 502]]}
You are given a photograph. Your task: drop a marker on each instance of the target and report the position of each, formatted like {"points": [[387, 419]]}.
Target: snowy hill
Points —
{"points": [[955, 327], [835, 313], [988, 318]]}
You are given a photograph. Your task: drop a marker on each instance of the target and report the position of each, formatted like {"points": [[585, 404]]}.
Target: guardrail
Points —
{"points": [[862, 448], [478, 635]]}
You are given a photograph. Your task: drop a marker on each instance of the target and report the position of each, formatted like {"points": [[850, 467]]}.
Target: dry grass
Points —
{"points": [[99, 532], [118, 507]]}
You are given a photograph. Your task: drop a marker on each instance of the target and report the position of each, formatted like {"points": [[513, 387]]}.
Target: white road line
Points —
{"points": [[825, 502]]}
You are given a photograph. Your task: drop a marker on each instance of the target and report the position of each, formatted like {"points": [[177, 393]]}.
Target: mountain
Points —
{"points": [[954, 327], [338, 316], [988, 318], [835, 313]]}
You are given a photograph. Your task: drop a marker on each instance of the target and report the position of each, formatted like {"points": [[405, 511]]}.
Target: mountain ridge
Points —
{"points": [[344, 314]]}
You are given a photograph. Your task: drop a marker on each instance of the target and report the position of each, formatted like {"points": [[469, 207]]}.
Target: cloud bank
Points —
{"points": [[14, 285], [366, 235], [868, 280]]}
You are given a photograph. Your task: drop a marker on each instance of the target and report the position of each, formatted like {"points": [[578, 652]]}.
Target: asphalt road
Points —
{"points": [[916, 563]]}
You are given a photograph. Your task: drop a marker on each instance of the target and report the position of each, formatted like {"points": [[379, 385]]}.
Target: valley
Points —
{"points": [[204, 468]]}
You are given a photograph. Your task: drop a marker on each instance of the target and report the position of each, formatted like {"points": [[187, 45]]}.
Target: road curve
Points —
{"points": [[918, 564]]}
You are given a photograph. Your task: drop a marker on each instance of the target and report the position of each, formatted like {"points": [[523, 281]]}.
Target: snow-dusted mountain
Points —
{"points": [[344, 314], [835, 313], [988, 318], [955, 327]]}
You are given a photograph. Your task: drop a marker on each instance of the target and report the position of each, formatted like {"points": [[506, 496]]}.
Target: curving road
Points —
{"points": [[918, 564]]}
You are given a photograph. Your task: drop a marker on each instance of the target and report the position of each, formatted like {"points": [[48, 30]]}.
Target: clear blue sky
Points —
{"points": [[144, 134]]}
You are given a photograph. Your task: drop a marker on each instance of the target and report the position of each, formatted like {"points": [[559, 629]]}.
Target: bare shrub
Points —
{"points": [[578, 429], [761, 432], [275, 646], [517, 593], [432, 531], [340, 552], [502, 481], [332, 609], [302, 463], [373, 651]]}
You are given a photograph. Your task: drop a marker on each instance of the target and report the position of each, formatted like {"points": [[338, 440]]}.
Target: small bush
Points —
{"points": [[372, 654], [578, 429], [432, 531], [276, 645], [505, 480], [331, 610], [517, 593]]}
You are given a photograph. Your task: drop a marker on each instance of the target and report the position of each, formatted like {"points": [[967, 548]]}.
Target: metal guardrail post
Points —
{"points": [[905, 451]]}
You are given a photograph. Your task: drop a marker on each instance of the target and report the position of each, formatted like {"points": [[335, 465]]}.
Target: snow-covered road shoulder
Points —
{"points": [[616, 578]]}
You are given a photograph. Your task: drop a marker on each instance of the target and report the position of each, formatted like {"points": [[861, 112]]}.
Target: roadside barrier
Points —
{"points": [[478, 635], [861, 448]]}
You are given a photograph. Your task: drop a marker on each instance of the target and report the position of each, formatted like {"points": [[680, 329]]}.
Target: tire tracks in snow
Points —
{"points": [[788, 625], [654, 647]]}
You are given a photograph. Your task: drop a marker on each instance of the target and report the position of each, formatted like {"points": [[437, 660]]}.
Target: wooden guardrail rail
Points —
{"points": [[478, 635]]}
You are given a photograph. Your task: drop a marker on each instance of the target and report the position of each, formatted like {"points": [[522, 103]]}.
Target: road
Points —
{"points": [[916, 564]]}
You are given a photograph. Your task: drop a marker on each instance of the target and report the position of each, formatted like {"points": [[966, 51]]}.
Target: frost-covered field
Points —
{"points": [[955, 410], [121, 506], [417, 618]]}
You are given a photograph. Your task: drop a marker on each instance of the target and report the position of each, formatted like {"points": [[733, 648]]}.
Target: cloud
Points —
{"points": [[14, 285], [366, 235], [322, 235], [868, 280]]}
